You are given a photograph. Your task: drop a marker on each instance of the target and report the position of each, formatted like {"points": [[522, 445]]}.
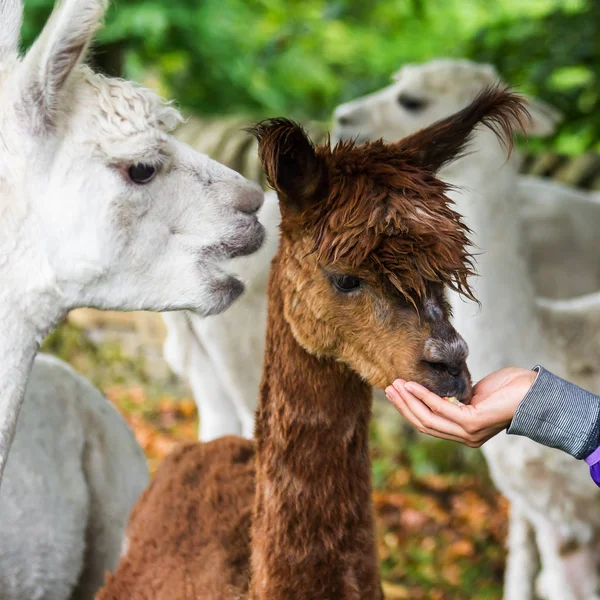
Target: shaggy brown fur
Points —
{"points": [[313, 527], [407, 229], [198, 503], [379, 214]]}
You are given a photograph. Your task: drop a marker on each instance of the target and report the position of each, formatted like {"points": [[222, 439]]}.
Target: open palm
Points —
{"points": [[493, 405]]}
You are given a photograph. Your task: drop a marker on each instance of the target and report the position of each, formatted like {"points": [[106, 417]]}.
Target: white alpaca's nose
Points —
{"points": [[249, 198], [351, 121], [349, 115]]}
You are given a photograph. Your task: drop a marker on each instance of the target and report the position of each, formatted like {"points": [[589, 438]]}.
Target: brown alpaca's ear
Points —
{"points": [[447, 140], [289, 160]]}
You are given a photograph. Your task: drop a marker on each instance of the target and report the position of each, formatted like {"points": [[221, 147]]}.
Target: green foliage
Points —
{"points": [[103, 364], [555, 58], [268, 57]]}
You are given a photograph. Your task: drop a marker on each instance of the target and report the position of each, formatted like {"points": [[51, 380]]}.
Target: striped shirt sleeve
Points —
{"points": [[559, 414]]}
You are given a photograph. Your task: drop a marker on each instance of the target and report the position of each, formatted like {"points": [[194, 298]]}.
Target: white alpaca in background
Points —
{"points": [[562, 245], [222, 356], [552, 496], [564, 219], [99, 205], [73, 475]]}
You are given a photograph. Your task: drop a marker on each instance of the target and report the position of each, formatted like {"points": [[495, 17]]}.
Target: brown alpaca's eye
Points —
{"points": [[345, 283], [141, 173], [411, 103]]}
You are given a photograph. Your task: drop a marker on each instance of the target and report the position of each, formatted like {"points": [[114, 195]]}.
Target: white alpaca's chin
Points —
{"points": [[218, 292], [225, 292], [220, 288]]}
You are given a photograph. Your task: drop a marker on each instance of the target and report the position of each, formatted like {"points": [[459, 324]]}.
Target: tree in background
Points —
{"points": [[302, 57], [555, 57]]}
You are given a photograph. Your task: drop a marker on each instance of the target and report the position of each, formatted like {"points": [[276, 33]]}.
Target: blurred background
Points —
{"points": [[441, 524], [302, 58]]}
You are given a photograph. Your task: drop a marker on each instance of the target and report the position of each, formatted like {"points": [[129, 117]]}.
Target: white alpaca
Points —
{"points": [[561, 225], [72, 477], [99, 205], [552, 496]]}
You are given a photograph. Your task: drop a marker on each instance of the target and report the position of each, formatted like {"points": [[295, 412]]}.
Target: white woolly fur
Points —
{"points": [[77, 230], [73, 475]]}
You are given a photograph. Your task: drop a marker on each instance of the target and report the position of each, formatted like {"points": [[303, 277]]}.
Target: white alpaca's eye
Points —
{"points": [[141, 173], [411, 103]]}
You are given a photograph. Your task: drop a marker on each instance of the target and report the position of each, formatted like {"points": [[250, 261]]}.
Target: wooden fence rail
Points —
{"points": [[226, 141]]}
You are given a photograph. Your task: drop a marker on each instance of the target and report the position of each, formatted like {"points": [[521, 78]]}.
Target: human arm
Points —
{"points": [[536, 404]]}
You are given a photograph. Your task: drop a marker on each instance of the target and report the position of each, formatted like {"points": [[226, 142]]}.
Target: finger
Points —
{"points": [[427, 417], [437, 405], [399, 383], [396, 399], [470, 424]]}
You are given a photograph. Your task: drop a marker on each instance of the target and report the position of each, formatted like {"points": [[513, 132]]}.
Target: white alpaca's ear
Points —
{"points": [[11, 17], [544, 118], [58, 50]]}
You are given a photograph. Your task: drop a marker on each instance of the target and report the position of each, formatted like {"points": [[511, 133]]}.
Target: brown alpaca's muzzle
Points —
{"points": [[446, 371]]}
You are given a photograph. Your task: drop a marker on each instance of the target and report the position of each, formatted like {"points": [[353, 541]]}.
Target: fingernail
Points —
{"points": [[410, 387], [398, 384], [388, 393]]}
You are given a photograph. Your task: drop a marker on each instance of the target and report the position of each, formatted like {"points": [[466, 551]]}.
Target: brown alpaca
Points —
{"points": [[368, 242]]}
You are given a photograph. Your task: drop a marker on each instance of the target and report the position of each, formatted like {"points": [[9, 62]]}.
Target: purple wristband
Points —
{"points": [[593, 462]]}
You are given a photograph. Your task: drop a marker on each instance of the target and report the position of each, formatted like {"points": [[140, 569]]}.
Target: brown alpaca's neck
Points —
{"points": [[313, 533]]}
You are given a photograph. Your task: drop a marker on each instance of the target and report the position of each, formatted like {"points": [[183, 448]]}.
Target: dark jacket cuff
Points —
{"points": [[559, 414]]}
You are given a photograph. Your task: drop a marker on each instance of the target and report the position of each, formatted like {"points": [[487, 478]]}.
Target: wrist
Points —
{"points": [[529, 379], [525, 383], [519, 388]]}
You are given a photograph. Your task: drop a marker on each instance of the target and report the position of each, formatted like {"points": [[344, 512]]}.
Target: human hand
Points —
{"points": [[493, 405]]}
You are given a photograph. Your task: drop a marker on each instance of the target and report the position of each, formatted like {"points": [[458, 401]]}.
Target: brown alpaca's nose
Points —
{"points": [[450, 380], [453, 369], [447, 352], [446, 362]]}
